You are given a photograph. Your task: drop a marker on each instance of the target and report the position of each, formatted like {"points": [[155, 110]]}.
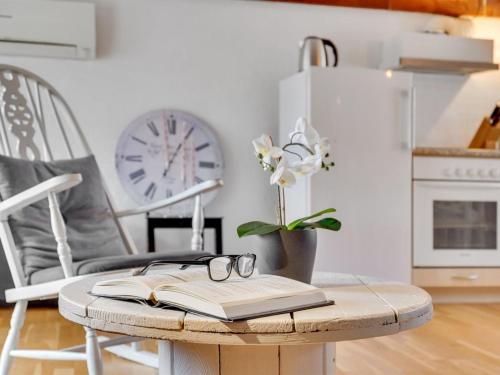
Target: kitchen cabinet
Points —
{"points": [[456, 277], [367, 115]]}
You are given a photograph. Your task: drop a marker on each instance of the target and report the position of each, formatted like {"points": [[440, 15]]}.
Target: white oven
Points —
{"points": [[456, 208]]}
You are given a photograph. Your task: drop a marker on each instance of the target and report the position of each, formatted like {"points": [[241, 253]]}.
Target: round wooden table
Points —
{"points": [[299, 343]]}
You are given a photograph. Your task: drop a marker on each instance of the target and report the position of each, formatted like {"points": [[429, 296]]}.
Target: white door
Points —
{"points": [[367, 117], [456, 224]]}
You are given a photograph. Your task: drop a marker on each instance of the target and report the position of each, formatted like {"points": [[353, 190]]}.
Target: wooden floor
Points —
{"points": [[461, 339]]}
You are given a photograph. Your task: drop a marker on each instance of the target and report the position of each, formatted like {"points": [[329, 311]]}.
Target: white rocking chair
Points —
{"points": [[39, 105]]}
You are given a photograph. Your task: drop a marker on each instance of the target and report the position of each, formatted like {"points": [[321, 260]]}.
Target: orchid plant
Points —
{"points": [[305, 154]]}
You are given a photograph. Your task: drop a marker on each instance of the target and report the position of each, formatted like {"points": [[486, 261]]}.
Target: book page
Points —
{"points": [[160, 276], [236, 290]]}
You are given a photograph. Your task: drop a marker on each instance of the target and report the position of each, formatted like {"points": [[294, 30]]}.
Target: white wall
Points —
{"points": [[219, 59], [450, 108]]}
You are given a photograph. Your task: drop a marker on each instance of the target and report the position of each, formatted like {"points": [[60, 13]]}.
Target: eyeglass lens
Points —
{"points": [[220, 268], [245, 265]]}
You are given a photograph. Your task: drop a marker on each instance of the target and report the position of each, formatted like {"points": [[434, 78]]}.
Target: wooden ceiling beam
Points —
{"points": [[444, 7]]}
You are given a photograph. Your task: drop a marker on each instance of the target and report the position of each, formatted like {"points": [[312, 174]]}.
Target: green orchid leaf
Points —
{"points": [[327, 223], [293, 225], [302, 226], [256, 227]]}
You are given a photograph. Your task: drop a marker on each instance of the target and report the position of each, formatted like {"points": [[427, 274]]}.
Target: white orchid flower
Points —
{"points": [[322, 149], [304, 133], [282, 176], [262, 144], [264, 147], [309, 165]]}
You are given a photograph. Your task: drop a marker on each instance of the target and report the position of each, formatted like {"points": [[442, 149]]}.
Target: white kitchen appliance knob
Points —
{"points": [[471, 172], [448, 172], [481, 173], [459, 172], [494, 173]]}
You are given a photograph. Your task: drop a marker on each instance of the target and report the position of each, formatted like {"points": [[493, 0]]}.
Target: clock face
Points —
{"points": [[163, 153]]}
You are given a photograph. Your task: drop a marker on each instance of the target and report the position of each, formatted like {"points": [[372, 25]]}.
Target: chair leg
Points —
{"points": [[94, 360], [16, 323], [198, 225]]}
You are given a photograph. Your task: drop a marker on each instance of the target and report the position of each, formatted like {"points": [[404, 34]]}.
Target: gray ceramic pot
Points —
{"points": [[287, 253]]}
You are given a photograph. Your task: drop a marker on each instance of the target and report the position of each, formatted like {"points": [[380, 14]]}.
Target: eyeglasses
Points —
{"points": [[219, 266]]}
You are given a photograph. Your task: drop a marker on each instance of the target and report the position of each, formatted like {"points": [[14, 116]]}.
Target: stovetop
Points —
{"points": [[457, 164], [457, 152]]}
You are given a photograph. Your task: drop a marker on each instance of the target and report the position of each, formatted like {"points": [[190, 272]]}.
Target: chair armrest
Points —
{"points": [[193, 191], [38, 192]]}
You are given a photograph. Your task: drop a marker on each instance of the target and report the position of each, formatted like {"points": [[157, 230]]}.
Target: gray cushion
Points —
{"points": [[91, 229], [5, 277], [110, 263]]}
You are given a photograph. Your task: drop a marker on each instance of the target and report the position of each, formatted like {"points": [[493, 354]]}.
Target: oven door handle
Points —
{"points": [[470, 277], [467, 185]]}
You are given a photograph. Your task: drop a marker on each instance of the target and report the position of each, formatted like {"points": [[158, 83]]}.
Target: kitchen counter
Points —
{"points": [[457, 152]]}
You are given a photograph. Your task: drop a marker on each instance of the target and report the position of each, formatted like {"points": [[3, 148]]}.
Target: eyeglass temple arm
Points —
{"points": [[161, 262], [205, 257]]}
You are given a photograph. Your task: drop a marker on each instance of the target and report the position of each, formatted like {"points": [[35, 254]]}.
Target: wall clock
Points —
{"points": [[164, 152]]}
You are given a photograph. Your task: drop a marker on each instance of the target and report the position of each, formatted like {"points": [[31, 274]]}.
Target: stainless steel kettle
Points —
{"points": [[313, 53]]}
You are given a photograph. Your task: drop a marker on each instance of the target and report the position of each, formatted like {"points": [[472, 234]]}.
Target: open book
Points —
{"points": [[234, 299]]}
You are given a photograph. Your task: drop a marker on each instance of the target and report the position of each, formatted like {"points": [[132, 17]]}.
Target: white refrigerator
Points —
{"points": [[368, 116]]}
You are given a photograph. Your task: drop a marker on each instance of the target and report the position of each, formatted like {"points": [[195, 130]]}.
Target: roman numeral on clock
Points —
{"points": [[137, 176], [172, 125], [169, 193], [198, 180], [150, 191], [207, 164], [139, 140], [151, 125], [202, 146], [134, 158]]}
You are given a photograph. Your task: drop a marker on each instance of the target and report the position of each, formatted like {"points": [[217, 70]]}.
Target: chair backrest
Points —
{"points": [[36, 123]]}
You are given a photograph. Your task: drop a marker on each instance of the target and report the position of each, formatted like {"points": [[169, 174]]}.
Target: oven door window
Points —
{"points": [[465, 225]]}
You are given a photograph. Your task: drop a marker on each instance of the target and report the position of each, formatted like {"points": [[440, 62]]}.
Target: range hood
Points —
{"points": [[438, 53]]}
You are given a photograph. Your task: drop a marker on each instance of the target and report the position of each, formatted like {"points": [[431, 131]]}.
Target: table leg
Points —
{"points": [[201, 359], [165, 357]]}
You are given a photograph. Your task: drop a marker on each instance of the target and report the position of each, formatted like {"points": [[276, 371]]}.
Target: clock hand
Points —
{"points": [[165, 138], [177, 149]]}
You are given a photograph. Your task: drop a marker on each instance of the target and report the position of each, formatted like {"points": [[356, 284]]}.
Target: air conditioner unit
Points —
{"points": [[58, 29]]}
